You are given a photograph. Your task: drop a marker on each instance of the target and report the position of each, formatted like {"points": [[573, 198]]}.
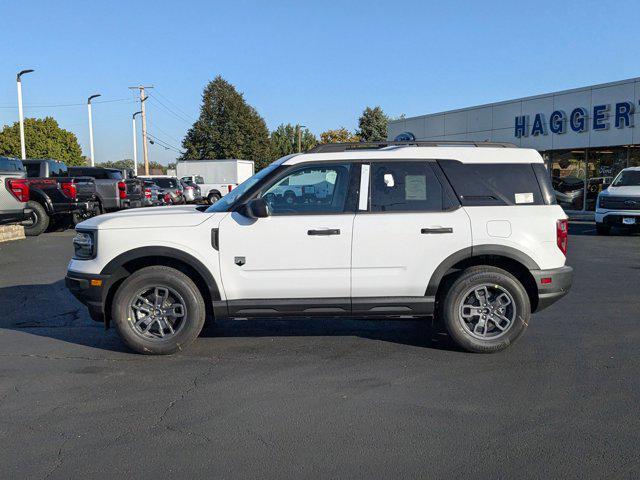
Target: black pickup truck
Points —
{"points": [[115, 191], [54, 195]]}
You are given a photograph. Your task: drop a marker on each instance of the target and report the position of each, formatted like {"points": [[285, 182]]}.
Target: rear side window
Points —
{"points": [[33, 170], [404, 187], [57, 169], [493, 183], [10, 165], [165, 182]]}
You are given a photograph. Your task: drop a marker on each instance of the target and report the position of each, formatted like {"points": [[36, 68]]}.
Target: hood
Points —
{"points": [[154, 217], [630, 191]]}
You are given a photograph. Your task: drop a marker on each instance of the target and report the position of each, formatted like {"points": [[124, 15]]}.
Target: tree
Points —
{"points": [[339, 135], [43, 139], [227, 128], [123, 164], [372, 125], [284, 140]]}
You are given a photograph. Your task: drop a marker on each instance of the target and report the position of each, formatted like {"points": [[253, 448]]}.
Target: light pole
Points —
{"points": [[300, 127], [91, 127], [23, 149], [135, 145]]}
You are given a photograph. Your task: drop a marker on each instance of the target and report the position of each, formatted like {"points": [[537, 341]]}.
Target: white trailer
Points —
{"points": [[215, 178]]}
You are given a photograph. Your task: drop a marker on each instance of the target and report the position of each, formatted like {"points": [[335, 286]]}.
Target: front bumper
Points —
{"points": [[90, 289], [615, 217], [552, 285]]}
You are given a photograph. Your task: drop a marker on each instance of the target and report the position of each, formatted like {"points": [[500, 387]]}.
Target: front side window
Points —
{"points": [[312, 189], [404, 187]]}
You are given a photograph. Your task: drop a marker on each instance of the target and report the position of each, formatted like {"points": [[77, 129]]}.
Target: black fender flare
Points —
{"points": [[476, 251], [43, 199], [113, 268]]}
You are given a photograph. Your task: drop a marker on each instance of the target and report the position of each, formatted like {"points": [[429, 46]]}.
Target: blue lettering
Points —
{"points": [[599, 117], [522, 122], [539, 127], [577, 120], [624, 114], [557, 122]]}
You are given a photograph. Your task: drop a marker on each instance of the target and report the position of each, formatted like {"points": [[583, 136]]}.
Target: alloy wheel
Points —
{"points": [[487, 311], [157, 312]]}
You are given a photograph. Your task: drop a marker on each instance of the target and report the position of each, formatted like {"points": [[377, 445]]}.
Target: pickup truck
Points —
{"points": [[54, 195], [14, 191], [114, 191]]}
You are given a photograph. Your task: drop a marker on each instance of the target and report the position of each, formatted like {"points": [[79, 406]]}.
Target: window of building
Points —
{"points": [[568, 177], [404, 187], [311, 189]]}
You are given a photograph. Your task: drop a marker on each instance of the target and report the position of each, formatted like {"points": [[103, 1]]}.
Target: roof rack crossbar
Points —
{"points": [[346, 146]]}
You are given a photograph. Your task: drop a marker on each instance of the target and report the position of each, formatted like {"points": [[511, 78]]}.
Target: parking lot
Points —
{"points": [[321, 398]]}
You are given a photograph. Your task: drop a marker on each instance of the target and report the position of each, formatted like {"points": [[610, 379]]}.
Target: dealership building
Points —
{"points": [[586, 135]]}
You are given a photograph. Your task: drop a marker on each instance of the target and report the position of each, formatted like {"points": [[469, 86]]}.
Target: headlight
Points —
{"points": [[84, 245]]}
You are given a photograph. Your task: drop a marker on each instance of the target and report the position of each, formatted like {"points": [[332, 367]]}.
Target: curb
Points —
{"points": [[11, 232]]}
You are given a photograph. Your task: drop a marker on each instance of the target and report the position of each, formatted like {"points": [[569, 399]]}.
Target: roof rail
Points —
{"points": [[346, 146]]}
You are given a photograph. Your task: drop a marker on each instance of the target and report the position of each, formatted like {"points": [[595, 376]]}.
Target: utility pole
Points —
{"points": [[135, 143], [300, 127], [23, 149], [145, 147], [93, 158]]}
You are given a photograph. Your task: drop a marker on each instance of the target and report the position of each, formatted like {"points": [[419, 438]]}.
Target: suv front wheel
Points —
{"points": [[486, 309], [158, 310]]}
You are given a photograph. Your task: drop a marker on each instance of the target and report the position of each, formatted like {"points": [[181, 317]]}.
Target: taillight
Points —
{"points": [[147, 193], [69, 189], [230, 187], [562, 235], [167, 198], [178, 192], [19, 188], [122, 190]]}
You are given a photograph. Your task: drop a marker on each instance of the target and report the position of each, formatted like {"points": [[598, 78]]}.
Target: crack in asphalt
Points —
{"points": [[70, 357]]}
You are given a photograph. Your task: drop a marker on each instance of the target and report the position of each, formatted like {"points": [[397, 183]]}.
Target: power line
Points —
{"points": [[155, 126], [164, 144], [174, 104], [172, 112]]}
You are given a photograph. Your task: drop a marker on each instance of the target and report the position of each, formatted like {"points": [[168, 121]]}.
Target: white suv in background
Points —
{"points": [[470, 234], [619, 204]]}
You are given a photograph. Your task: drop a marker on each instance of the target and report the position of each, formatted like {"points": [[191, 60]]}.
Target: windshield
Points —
{"points": [[627, 178], [225, 202], [165, 182]]}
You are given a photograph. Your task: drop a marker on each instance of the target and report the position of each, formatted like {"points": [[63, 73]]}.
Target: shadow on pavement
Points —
{"points": [[49, 310]]}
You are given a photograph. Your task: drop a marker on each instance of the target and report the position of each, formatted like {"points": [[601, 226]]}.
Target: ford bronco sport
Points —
{"points": [[468, 233]]}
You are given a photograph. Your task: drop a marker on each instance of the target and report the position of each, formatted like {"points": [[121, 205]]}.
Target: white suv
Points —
{"points": [[470, 235], [619, 204]]}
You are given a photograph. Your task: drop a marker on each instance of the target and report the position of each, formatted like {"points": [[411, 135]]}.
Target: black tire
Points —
{"points": [[168, 278], [603, 229], [39, 221], [213, 198], [500, 281]]}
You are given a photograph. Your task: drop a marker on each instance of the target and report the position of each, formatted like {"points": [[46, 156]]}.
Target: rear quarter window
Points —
{"points": [[490, 184], [10, 165]]}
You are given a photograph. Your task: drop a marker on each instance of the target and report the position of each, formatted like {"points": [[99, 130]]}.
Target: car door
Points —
{"points": [[298, 259], [402, 232]]}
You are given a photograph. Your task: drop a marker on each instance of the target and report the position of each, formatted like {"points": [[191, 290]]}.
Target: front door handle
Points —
{"points": [[328, 231], [437, 230]]}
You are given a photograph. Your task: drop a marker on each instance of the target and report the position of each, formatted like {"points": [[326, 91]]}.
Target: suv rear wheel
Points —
{"points": [[158, 310], [486, 309]]}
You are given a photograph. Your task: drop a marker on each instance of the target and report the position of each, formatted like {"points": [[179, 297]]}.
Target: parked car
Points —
{"points": [[190, 191], [114, 191], [153, 194], [619, 204], [472, 236], [56, 196], [14, 191], [173, 194]]}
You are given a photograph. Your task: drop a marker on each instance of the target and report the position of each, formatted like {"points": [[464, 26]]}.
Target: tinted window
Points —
{"points": [[404, 187], [114, 174], [10, 165], [311, 189], [33, 170], [165, 182], [57, 169], [493, 183], [96, 173]]}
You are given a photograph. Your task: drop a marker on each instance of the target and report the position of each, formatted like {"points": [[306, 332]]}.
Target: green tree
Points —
{"points": [[284, 140], [372, 125], [43, 139], [123, 164], [228, 127], [339, 135]]}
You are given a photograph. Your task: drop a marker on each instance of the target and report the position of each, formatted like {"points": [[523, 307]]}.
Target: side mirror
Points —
{"points": [[256, 208]]}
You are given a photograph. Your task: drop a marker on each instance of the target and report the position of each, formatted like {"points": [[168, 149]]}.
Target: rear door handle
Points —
{"points": [[437, 230], [328, 231]]}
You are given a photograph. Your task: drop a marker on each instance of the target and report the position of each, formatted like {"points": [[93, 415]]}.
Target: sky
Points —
{"points": [[313, 63]]}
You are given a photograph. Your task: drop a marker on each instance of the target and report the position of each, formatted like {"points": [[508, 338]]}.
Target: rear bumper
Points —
{"points": [[90, 294], [14, 216], [552, 285]]}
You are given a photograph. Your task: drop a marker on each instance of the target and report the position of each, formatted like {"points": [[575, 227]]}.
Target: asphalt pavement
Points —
{"points": [[322, 398]]}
